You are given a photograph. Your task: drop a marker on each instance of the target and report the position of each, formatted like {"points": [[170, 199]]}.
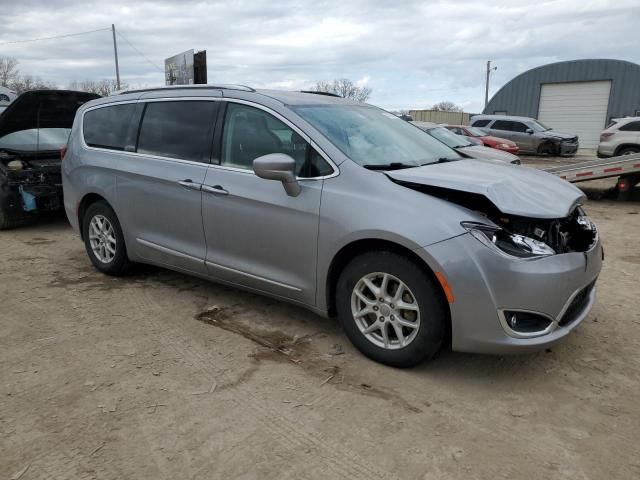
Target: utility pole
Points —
{"points": [[115, 52], [486, 90]]}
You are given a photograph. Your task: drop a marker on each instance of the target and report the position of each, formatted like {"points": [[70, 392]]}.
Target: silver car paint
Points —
{"points": [[515, 190], [527, 142], [260, 239]]}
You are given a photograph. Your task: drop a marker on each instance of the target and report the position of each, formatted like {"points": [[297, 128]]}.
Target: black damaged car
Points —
{"points": [[33, 131]]}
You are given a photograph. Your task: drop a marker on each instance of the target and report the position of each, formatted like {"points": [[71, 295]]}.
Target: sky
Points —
{"points": [[412, 54]]}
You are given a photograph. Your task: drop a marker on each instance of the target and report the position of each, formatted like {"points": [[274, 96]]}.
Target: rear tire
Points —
{"points": [[104, 241], [7, 222], [419, 313], [629, 151]]}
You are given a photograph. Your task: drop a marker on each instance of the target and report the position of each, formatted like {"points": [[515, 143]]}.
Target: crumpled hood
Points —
{"points": [[42, 109], [514, 190], [560, 135]]}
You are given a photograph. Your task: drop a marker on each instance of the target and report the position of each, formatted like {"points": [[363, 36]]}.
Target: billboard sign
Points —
{"points": [[178, 70]]}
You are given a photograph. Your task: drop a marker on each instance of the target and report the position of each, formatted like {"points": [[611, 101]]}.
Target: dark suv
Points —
{"points": [[33, 130], [529, 134]]}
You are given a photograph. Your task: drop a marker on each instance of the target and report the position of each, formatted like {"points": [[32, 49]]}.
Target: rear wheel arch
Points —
{"points": [[88, 200], [621, 148], [359, 247]]}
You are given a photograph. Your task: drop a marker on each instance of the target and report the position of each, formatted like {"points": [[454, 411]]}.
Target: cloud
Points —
{"points": [[411, 53]]}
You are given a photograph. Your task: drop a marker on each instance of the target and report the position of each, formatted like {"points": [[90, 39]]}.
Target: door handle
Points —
{"points": [[190, 185], [216, 190]]}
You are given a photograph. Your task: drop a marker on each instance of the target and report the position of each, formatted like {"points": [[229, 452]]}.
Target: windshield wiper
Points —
{"points": [[390, 166], [446, 159]]}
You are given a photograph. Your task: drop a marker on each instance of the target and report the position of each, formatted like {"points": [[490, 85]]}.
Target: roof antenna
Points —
{"points": [[38, 129]]}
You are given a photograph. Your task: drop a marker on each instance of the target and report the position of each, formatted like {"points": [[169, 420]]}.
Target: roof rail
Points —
{"points": [[328, 94], [219, 86]]}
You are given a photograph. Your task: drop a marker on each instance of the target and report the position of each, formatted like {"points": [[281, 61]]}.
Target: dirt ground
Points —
{"points": [[160, 375]]}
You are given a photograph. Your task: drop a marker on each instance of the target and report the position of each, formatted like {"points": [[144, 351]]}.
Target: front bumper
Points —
{"points": [[485, 284], [569, 148], [606, 150], [23, 200]]}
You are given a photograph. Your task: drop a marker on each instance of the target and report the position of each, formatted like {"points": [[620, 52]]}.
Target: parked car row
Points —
{"points": [[529, 134], [461, 144], [484, 139]]}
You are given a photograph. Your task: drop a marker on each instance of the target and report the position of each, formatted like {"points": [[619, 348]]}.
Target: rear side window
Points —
{"points": [[630, 127], [108, 127], [481, 123], [509, 126], [181, 129]]}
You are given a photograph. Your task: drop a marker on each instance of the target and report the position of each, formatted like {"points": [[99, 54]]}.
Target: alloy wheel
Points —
{"points": [[102, 238], [385, 310]]}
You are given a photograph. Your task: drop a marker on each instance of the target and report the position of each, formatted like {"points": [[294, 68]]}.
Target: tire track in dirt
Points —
{"points": [[288, 431]]}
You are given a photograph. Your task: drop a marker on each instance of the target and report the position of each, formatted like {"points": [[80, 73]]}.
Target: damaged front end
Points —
{"points": [[29, 184], [523, 237], [516, 235], [519, 212], [33, 130]]}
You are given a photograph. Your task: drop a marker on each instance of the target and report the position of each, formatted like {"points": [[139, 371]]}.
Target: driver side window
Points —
{"points": [[250, 133]]}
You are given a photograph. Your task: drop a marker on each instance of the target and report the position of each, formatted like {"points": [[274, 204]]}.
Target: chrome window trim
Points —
{"points": [[169, 251], [336, 170], [252, 276], [335, 173]]}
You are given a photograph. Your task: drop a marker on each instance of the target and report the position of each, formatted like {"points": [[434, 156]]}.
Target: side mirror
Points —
{"points": [[529, 131], [278, 166]]}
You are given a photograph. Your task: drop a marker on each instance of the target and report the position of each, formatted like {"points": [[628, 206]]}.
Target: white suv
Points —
{"points": [[621, 137]]}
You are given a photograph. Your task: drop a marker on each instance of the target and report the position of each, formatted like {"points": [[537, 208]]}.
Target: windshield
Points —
{"points": [[476, 132], [371, 136], [538, 127], [34, 140], [449, 138]]}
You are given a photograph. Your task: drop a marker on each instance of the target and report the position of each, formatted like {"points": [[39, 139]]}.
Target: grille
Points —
{"points": [[577, 305]]}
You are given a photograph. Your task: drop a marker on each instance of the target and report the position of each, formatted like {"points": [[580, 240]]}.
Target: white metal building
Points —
{"points": [[579, 96]]}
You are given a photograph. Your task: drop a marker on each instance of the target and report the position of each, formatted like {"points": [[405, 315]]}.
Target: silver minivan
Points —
{"points": [[337, 206]]}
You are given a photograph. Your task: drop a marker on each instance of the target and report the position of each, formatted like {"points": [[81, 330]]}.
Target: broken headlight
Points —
{"points": [[505, 243]]}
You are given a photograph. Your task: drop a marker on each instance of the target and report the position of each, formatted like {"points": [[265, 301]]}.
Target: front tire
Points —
{"points": [[104, 241], [547, 148], [391, 309]]}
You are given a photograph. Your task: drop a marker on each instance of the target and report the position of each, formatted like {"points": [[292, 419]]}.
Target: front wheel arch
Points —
{"points": [[357, 247]]}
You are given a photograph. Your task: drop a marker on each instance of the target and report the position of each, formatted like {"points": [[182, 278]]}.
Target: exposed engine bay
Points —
{"points": [[575, 233], [521, 236], [30, 182]]}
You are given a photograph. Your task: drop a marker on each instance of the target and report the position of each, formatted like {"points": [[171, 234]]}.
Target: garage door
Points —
{"points": [[579, 108]]}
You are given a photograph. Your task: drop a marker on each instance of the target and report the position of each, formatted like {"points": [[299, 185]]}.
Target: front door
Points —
{"points": [[159, 188], [257, 235]]}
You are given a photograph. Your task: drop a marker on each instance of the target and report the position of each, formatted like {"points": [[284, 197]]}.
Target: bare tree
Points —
{"points": [[345, 88], [25, 83], [446, 106], [8, 71], [103, 87]]}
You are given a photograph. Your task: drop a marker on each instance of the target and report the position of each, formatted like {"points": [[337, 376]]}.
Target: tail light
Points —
{"points": [[605, 135], [63, 152]]}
